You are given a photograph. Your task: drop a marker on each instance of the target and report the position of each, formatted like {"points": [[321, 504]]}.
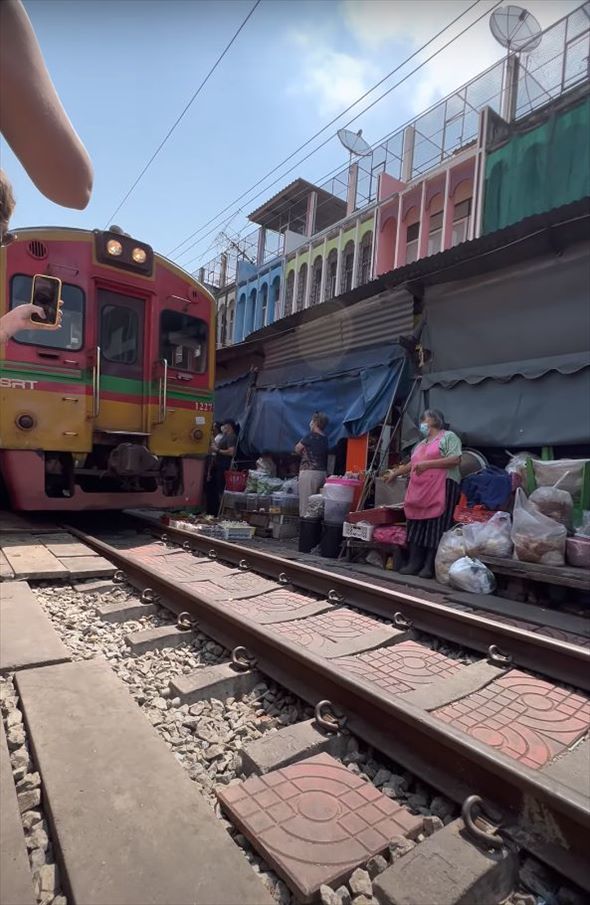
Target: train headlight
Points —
{"points": [[139, 255], [25, 421], [114, 248], [197, 434]]}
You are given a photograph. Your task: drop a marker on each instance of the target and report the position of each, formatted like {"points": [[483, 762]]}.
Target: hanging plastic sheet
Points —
{"points": [[355, 401]]}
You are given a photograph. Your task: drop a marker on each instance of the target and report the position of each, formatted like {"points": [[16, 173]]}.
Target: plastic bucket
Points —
{"points": [[310, 534], [335, 512], [331, 541], [341, 490]]}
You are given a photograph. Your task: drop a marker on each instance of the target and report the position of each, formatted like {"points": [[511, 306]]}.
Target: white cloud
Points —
{"points": [[375, 24], [333, 79]]}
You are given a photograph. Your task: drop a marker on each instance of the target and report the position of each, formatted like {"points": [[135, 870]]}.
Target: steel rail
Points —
{"points": [[548, 818], [560, 660]]}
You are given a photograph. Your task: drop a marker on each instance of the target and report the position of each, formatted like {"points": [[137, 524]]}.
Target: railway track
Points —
{"points": [[469, 704]]}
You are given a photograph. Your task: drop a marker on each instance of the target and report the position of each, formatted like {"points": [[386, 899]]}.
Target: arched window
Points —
{"points": [[364, 265], [230, 324], [316, 281], [250, 312], [347, 266], [221, 324], [412, 227], [332, 269], [461, 212], [262, 320], [275, 291], [435, 225], [240, 317], [290, 287], [302, 282]]}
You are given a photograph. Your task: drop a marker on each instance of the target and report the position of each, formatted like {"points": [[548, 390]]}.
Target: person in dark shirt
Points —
{"points": [[313, 449], [225, 451]]}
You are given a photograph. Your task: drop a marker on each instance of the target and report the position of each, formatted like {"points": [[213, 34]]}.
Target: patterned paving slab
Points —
{"points": [[279, 605], [244, 584], [315, 821], [337, 625], [401, 668], [526, 718]]}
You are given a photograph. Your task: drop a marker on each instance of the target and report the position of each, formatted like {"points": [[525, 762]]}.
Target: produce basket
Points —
{"points": [[358, 531], [235, 480]]}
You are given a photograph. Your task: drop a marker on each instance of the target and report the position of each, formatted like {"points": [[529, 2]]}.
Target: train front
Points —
{"points": [[113, 410]]}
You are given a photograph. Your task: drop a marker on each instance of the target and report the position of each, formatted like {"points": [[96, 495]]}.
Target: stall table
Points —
{"points": [[563, 576]]}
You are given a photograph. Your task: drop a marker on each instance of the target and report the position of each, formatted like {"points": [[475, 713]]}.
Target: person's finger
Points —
{"points": [[36, 309]]}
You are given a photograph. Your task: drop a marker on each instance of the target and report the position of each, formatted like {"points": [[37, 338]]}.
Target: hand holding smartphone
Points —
{"points": [[46, 294]]}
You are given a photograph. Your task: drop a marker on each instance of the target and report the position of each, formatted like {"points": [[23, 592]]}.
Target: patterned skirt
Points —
{"points": [[427, 532]]}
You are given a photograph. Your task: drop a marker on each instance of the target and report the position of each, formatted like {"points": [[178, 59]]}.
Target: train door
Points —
{"points": [[118, 391]]}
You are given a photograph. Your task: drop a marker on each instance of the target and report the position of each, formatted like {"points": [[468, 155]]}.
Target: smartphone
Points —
{"points": [[46, 293]]}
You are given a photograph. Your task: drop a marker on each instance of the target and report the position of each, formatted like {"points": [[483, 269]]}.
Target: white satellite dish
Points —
{"points": [[515, 29], [354, 142]]}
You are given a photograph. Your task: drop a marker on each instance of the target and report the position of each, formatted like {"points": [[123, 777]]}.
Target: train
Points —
{"points": [[114, 409]]}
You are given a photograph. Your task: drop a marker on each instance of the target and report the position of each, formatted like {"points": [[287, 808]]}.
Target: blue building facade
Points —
{"points": [[258, 290]]}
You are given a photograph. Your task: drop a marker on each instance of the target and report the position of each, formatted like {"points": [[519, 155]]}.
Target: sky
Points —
{"points": [[125, 69]]}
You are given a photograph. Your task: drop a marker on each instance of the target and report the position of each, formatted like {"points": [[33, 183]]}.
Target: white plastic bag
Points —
{"points": [[450, 549], [490, 538], [554, 503], [467, 574], [536, 538], [567, 473], [517, 463], [291, 486]]}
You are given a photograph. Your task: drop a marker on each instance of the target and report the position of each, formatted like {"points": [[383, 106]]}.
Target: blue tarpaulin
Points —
{"points": [[231, 399], [356, 398]]}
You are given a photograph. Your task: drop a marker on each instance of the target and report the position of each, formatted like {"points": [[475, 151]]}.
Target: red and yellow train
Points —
{"points": [[114, 409]]}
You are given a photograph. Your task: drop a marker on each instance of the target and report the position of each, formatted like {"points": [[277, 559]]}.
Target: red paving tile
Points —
{"points": [[336, 625], [525, 718], [402, 667], [280, 601], [315, 821], [244, 584]]}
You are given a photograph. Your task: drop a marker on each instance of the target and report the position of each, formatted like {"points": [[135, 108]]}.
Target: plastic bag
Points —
{"points": [[291, 486], [536, 538], [554, 503], [567, 473], [252, 482], [450, 549], [315, 506], [491, 538], [517, 464], [467, 574]]}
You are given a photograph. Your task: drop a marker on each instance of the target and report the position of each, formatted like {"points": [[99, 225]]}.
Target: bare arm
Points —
{"points": [[32, 118], [227, 452], [299, 449]]}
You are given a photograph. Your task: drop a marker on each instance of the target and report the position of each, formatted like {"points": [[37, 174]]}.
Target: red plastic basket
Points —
{"points": [[383, 515], [235, 481]]}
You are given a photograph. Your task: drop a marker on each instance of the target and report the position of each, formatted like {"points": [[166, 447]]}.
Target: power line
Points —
{"points": [[323, 129], [354, 118], [178, 120]]}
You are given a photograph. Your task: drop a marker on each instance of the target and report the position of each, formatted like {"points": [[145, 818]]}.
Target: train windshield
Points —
{"points": [[183, 341], [70, 335]]}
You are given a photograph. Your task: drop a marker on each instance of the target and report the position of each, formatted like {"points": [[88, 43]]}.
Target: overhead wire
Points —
{"points": [[372, 104], [327, 126], [184, 112], [425, 164]]}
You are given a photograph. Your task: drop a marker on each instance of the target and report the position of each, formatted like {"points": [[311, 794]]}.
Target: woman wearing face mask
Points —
{"points": [[313, 449], [433, 491]]}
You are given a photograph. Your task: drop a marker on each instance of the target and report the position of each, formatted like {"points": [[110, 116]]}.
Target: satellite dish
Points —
{"points": [[515, 28], [354, 142]]}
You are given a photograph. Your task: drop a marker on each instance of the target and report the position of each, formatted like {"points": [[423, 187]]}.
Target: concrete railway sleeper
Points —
{"points": [[422, 724]]}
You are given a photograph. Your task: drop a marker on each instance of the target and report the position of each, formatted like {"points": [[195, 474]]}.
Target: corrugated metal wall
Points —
{"points": [[380, 319]]}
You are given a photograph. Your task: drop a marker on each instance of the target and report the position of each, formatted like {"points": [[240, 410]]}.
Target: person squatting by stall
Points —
{"points": [[433, 491], [313, 449]]}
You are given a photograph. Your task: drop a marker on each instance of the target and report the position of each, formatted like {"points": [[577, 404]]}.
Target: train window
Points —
{"points": [[183, 341], [119, 332], [70, 335]]}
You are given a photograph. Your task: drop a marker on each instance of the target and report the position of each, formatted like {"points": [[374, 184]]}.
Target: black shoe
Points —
{"points": [[427, 571], [415, 561]]}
